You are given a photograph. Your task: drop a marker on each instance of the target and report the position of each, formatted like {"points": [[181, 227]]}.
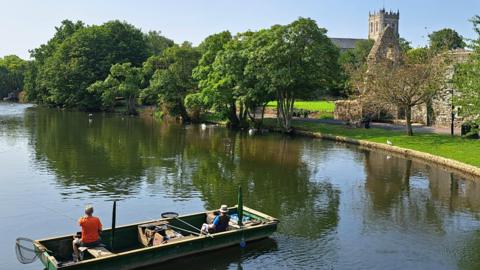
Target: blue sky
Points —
{"points": [[27, 24]]}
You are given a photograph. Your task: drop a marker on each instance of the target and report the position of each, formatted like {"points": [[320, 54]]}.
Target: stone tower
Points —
{"points": [[378, 21]]}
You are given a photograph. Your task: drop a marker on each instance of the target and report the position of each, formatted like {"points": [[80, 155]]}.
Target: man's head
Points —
{"points": [[88, 210], [223, 210]]}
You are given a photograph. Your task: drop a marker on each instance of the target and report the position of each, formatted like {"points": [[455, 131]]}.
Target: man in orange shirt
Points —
{"points": [[91, 229]]}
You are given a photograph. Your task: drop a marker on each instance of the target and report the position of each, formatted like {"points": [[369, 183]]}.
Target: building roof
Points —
{"points": [[345, 43]]}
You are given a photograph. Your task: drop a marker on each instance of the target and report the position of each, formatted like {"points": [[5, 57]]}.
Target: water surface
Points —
{"points": [[340, 207]]}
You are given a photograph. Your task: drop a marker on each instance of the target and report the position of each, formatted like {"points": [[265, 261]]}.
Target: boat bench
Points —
{"points": [[97, 252]]}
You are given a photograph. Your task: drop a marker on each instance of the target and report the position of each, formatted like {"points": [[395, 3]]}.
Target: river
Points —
{"points": [[340, 207]]}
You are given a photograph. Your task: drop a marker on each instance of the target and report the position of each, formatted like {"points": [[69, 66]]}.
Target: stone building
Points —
{"points": [[383, 29], [386, 46], [377, 21], [438, 112]]}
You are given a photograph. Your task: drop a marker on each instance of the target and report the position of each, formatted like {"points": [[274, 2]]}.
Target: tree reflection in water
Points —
{"points": [[120, 157]]}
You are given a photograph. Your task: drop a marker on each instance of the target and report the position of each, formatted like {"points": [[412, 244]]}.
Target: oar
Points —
{"points": [[188, 224], [182, 229]]}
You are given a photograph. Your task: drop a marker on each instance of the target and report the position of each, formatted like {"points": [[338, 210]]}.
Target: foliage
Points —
{"points": [[405, 45], [352, 60], [123, 81], [357, 56], [467, 80], [12, 72], [419, 55], [173, 81], [78, 56], [214, 74], [195, 104], [156, 43], [446, 39], [295, 61]]}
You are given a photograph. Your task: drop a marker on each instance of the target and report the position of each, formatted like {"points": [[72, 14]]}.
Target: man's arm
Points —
{"points": [[99, 226], [216, 220]]}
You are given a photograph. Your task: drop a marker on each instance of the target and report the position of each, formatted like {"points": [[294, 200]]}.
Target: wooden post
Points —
{"points": [[240, 207], [114, 217]]}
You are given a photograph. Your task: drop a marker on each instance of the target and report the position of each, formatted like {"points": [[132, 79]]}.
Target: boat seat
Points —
{"points": [[97, 252]]}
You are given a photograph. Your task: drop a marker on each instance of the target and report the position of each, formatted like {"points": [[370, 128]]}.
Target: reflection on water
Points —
{"points": [[340, 207]]}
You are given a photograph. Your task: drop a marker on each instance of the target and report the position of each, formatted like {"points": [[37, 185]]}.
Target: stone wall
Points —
{"points": [[439, 112], [348, 110]]}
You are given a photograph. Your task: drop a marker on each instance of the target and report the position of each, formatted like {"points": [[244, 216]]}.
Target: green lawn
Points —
{"points": [[317, 106], [457, 148]]}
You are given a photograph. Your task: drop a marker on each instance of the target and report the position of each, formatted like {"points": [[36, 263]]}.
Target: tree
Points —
{"points": [[357, 56], [404, 85], [446, 39], [404, 45], [156, 43], [419, 55], [123, 81], [467, 80], [297, 61], [172, 83], [78, 56], [231, 86], [12, 73]]}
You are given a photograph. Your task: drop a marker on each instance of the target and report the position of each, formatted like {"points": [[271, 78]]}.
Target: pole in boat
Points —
{"points": [[240, 206], [114, 217], [240, 215]]}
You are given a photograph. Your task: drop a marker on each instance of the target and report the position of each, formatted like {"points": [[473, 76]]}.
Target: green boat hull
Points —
{"points": [[130, 254]]}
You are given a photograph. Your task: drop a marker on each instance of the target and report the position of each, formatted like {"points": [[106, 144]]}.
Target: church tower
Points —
{"points": [[378, 21]]}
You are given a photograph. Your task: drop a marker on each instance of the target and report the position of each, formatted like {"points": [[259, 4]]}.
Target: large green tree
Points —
{"points": [[78, 56], [297, 61], [172, 82], [12, 72], [124, 81], [231, 86], [446, 39]]}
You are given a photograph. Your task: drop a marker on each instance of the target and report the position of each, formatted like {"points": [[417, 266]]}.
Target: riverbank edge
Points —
{"points": [[461, 167], [405, 152]]}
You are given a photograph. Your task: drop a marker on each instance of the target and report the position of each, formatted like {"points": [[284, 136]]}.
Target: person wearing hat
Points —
{"points": [[91, 229], [220, 222]]}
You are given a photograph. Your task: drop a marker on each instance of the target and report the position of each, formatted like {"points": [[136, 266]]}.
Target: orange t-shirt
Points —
{"points": [[90, 228]]}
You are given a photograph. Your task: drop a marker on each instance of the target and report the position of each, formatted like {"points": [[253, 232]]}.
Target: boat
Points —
{"points": [[156, 241]]}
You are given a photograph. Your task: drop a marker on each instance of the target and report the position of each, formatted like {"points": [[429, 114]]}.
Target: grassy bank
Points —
{"points": [[319, 109], [314, 106], [457, 148]]}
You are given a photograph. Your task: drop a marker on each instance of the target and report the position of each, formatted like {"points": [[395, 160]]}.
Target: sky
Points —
{"points": [[26, 24]]}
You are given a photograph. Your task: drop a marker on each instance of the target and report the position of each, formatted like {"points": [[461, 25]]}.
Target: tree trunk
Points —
{"points": [[131, 110], [183, 112], [232, 115], [408, 117], [263, 114]]}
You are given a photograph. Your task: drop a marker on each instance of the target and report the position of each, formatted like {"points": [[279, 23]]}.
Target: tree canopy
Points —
{"points": [[12, 72], [295, 61], [446, 39], [78, 56], [172, 80]]}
